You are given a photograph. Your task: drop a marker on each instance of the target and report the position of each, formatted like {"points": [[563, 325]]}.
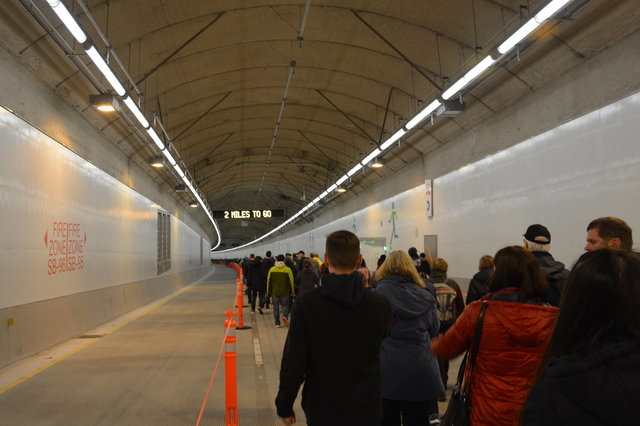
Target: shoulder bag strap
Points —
{"points": [[473, 351]]}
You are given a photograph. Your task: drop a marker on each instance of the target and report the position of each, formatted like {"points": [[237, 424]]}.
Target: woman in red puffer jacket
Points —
{"points": [[516, 329]]}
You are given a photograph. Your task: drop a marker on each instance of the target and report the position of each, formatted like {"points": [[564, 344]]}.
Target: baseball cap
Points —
{"points": [[538, 234]]}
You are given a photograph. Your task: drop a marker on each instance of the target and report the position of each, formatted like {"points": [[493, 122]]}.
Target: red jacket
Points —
{"points": [[514, 338]]}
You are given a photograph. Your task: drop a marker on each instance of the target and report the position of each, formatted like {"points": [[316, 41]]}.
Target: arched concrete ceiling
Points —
{"points": [[216, 73]]}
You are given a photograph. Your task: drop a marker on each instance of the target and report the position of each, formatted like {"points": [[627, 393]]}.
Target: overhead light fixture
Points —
{"points": [[429, 109], [397, 135], [155, 138], [519, 35], [193, 204], [104, 103], [377, 163], [136, 111], [156, 162], [167, 154], [550, 9], [468, 77], [355, 170], [68, 20], [181, 188], [104, 69], [341, 189], [370, 157]]}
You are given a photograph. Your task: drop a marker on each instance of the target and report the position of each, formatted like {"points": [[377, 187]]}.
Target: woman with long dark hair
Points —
{"points": [[590, 374], [516, 329], [411, 381]]}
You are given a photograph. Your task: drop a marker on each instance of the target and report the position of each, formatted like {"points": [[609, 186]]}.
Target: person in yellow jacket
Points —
{"points": [[280, 286]]}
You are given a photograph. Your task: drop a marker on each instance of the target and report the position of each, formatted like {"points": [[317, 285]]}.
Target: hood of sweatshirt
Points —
{"points": [[347, 290], [278, 263]]}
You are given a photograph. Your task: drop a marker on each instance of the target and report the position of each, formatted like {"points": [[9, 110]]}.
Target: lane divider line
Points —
{"points": [[257, 351]]}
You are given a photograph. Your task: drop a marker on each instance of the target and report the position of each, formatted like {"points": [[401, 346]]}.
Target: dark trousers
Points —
{"points": [[407, 413], [444, 371], [254, 294]]}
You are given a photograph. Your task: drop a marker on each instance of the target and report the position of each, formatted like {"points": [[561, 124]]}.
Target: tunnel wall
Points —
{"points": [[79, 247], [563, 178]]}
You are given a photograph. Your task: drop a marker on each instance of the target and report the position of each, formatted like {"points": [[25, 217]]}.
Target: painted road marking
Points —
{"points": [[257, 351]]}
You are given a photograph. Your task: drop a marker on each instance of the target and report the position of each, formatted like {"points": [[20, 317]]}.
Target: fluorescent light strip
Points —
{"points": [[105, 70], [342, 180], [169, 157], [136, 111], [355, 170], [370, 157], [468, 77], [332, 188], [550, 9], [519, 35], [397, 135], [68, 20], [156, 138], [453, 90], [479, 68], [423, 114], [178, 170]]}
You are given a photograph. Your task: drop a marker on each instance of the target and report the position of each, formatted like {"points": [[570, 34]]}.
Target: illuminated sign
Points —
{"points": [[248, 214]]}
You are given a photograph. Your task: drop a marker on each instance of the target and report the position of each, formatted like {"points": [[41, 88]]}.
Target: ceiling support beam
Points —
{"points": [[395, 49], [364, 132], [384, 120], [292, 71], [202, 116], [182, 46]]}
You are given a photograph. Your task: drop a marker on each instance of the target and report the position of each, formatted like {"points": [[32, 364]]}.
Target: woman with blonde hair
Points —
{"points": [[411, 383]]}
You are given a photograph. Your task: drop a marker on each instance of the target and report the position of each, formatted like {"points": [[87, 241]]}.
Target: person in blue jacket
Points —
{"points": [[411, 383]]}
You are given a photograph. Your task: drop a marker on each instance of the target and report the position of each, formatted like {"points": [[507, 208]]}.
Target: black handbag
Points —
{"points": [[459, 407]]}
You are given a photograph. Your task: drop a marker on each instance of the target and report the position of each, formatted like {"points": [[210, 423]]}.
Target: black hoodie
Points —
{"points": [[333, 346]]}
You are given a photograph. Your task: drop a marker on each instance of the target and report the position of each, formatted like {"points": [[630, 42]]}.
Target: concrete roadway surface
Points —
{"points": [[152, 367]]}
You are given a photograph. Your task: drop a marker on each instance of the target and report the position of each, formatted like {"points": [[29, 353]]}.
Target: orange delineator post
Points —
{"points": [[231, 391]]}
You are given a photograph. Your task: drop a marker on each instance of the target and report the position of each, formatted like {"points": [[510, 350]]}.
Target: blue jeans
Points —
{"points": [[277, 301]]}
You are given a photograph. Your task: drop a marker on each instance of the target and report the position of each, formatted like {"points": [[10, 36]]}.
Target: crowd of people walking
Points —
{"points": [[553, 346]]}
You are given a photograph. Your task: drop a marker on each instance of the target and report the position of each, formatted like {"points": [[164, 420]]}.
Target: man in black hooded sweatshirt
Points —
{"points": [[333, 345]]}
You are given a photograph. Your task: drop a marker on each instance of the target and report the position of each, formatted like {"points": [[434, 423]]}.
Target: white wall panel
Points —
{"points": [[43, 184], [563, 178]]}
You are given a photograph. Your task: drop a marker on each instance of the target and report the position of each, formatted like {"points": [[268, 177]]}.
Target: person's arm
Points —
{"points": [[294, 363], [458, 338], [269, 281], [291, 284], [472, 293]]}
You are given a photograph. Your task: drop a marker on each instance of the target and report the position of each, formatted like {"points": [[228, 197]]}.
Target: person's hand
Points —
{"points": [[289, 420]]}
